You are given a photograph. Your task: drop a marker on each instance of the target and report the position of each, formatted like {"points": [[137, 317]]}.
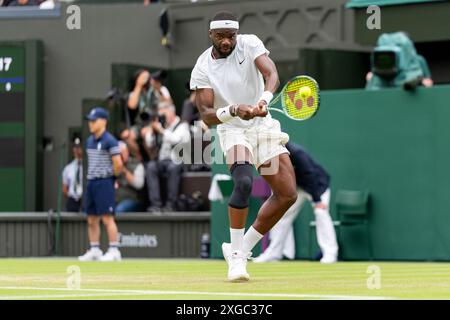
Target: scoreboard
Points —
{"points": [[12, 69], [20, 124]]}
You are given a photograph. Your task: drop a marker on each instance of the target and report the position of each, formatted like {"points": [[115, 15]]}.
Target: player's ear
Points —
{"points": [[210, 34]]}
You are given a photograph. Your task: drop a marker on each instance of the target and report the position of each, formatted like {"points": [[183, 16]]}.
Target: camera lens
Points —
{"points": [[145, 116], [162, 120]]}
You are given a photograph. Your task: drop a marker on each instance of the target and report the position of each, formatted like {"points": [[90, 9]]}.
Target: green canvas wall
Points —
{"points": [[396, 144]]}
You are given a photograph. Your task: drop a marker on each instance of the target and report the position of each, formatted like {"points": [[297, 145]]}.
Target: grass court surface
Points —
{"points": [[54, 278]]}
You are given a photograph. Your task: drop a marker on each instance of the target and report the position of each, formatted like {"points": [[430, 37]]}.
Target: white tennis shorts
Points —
{"points": [[264, 140]]}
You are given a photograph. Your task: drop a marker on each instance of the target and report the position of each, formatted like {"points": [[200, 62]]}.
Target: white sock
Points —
{"points": [[251, 238], [114, 245], [94, 245], [237, 238]]}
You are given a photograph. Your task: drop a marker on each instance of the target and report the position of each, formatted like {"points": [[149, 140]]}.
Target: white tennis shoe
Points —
{"points": [[326, 259], [237, 263], [265, 257], [226, 251], [113, 254], [93, 254]]}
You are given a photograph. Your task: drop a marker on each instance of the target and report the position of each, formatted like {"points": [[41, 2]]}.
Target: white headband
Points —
{"points": [[223, 24]]}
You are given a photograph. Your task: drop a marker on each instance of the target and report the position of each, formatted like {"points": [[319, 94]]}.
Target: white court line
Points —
{"points": [[118, 292], [62, 296]]}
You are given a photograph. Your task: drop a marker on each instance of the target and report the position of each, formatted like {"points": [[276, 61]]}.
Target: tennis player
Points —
{"points": [[235, 80]]}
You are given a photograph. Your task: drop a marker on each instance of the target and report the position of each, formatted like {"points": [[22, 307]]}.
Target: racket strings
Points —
{"points": [[296, 105]]}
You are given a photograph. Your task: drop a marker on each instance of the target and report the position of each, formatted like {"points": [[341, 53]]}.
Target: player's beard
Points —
{"points": [[223, 54]]}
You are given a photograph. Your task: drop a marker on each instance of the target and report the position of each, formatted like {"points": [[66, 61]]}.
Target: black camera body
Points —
{"points": [[148, 116]]}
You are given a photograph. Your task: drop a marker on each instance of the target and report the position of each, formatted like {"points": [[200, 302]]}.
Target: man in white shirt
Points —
{"points": [[235, 80], [173, 133], [73, 179]]}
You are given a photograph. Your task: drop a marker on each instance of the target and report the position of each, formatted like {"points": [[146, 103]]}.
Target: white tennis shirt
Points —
{"points": [[234, 79]]}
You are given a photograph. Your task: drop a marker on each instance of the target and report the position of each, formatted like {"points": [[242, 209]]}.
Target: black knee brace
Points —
{"points": [[242, 174]]}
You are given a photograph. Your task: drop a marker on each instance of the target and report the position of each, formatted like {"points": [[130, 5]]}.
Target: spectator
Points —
{"points": [[143, 102], [147, 2], [189, 111], [73, 179], [137, 103], [160, 92], [104, 163], [129, 183], [16, 3], [199, 129], [173, 132], [48, 5], [396, 63]]}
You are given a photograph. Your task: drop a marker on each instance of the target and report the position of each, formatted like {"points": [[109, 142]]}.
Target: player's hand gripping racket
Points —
{"points": [[299, 99]]}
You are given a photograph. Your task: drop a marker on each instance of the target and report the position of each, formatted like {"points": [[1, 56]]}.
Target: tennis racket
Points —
{"points": [[299, 99]]}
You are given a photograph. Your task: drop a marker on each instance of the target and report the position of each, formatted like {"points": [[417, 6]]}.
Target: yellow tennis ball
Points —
{"points": [[305, 92]]}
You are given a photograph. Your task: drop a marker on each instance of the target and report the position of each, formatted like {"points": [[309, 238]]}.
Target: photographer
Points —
{"points": [[189, 111], [159, 92], [163, 134], [142, 104]]}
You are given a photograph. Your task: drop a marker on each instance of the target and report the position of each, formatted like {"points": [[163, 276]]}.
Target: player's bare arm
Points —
{"points": [[205, 103], [269, 71]]}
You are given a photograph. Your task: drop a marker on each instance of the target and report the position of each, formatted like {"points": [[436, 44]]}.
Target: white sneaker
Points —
{"points": [[237, 268], [92, 254], [265, 257], [237, 263], [226, 251], [328, 259], [111, 255]]}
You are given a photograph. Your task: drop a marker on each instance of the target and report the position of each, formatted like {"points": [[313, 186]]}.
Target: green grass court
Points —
{"points": [[206, 279]]}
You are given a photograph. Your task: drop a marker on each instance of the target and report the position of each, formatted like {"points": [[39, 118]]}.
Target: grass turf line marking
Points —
{"points": [[62, 296], [160, 292]]}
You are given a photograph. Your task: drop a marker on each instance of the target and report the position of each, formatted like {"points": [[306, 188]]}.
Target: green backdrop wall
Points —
{"points": [[397, 145]]}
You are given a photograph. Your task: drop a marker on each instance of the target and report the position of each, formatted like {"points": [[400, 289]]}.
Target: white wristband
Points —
{"points": [[223, 114], [266, 96]]}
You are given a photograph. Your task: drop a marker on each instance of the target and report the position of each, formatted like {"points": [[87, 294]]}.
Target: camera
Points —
{"points": [[162, 120], [385, 62], [148, 116]]}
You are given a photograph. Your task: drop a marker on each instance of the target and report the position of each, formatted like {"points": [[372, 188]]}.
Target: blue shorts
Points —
{"points": [[100, 197]]}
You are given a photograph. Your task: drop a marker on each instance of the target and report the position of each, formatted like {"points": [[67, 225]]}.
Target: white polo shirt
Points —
{"points": [[70, 179], [234, 79]]}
